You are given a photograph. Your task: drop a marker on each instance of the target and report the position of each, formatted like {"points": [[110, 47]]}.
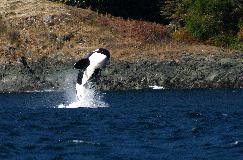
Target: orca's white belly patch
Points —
{"points": [[97, 60]]}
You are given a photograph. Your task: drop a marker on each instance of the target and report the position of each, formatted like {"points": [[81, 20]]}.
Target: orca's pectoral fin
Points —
{"points": [[96, 75], [80, 76], [82, 64], [97, 72]]}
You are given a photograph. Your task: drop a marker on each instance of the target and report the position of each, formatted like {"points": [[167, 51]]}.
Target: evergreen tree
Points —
{"points": [[208, 18], [168, 9]]}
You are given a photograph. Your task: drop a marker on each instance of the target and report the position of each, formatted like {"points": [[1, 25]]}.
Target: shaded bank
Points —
{"points": [[42, 75], [191, 71]]}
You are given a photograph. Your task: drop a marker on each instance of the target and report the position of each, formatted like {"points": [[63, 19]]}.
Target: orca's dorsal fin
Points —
{"points": [[82, 64]]}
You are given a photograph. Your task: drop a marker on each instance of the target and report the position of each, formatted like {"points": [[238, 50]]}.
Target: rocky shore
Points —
{"points": [[191, 71]]}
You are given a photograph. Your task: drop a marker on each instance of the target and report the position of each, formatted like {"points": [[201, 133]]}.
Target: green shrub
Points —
{"points": [[209, 18], [240, 34], [223, 40], [182, 34], [218, 22]]}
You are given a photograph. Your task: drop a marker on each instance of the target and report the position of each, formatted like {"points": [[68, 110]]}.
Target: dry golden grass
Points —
{"points": [[63, 33]]}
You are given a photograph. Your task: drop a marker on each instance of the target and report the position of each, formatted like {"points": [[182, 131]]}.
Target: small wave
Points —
{"points": [[76, 141], [231, 145]]}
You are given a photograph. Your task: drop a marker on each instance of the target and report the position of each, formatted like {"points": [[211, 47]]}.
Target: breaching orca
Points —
{"points": [[91, 65]]}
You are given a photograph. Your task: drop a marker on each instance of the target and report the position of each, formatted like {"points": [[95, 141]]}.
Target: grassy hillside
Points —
{"points": [[40, 29]]}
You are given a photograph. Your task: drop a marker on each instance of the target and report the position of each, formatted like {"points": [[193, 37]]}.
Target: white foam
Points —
{"points": [[157, 87], [86, 97]]}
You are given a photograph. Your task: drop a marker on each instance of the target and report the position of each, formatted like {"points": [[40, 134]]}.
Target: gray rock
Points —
{"points": [[48, 19], [190, 72]]}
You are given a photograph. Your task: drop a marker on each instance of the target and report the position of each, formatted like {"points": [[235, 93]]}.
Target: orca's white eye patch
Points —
{"points": [[96, 50]]}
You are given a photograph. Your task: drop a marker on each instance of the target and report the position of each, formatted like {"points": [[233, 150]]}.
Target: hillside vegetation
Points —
{"points": [[216, 22], [40, 29]]}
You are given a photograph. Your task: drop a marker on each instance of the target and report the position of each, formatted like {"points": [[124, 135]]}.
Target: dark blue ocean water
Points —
{"points": [[138, 125]]}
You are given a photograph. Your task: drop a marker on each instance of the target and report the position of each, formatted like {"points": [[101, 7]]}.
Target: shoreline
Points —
{"points": [[190, 72], [144, 89]]}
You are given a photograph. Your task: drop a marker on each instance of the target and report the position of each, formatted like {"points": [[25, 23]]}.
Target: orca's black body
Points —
{"points": [[91, 65]]}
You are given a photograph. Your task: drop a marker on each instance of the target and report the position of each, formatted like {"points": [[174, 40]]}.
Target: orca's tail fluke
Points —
{"points": [[82, 64]]}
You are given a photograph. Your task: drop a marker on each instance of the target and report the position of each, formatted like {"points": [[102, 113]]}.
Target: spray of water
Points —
{"points": [[86, 96]]}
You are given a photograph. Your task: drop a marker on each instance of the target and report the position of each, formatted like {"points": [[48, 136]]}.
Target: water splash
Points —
{"points": [[87, 97]]}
